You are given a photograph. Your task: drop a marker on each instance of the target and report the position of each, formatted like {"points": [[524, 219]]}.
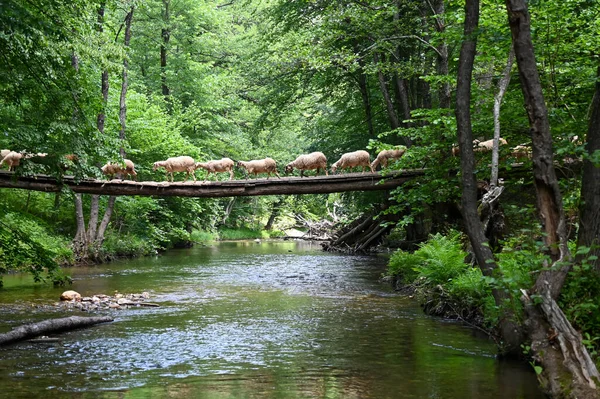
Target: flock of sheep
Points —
{"points": [[313, 161]]}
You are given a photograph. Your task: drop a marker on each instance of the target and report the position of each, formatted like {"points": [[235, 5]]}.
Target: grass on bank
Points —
{"points": [[245, 233]]}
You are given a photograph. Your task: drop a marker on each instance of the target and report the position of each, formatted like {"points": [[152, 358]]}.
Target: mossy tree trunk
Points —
{"points": [[510, 330], [567, 370], [589, 219]]}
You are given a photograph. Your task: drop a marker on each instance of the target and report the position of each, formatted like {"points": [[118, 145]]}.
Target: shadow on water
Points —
{"points": [[250, 320]]}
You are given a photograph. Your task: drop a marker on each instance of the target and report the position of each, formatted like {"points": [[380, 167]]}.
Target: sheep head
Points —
{"points": [[289, 168]]}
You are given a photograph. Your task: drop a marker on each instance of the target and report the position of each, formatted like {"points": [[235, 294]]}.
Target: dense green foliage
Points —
{"points": [[437, 272]]}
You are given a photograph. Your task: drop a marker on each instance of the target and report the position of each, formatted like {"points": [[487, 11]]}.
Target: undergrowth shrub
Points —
{"points": [[443, 283], [26, 246], [202, 236], [437, 261], [125, 245]]}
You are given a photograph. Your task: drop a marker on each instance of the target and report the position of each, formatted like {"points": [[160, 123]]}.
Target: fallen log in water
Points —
{"points": [[28, 331]]}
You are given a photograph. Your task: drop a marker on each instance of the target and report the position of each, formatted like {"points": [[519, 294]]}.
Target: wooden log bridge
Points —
{"points": [[234, 188]]}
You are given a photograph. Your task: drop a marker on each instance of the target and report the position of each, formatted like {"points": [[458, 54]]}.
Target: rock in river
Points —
{"points": [[70, 296]]}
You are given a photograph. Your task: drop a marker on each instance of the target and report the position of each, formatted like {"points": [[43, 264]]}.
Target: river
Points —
{"points": [[250, 320]]}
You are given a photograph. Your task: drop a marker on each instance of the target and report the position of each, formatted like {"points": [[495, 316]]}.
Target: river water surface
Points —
{"points": [[250, 320]]}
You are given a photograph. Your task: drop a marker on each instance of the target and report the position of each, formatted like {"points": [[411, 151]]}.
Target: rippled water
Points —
{"points": [[249, 320]]}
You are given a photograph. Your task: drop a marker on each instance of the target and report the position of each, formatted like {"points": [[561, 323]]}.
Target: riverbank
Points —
{"points": [[437, 276]]}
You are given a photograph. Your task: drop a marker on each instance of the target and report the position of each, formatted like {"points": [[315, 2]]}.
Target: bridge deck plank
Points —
{"points": [[250, 187]]}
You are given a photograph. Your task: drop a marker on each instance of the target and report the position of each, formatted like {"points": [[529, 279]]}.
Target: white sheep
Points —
{"points": [[384, 156], [111, 169], [223, 165], [352, 159], [4, 153], [267, 165], [479, 146], [12, 159], [177, 164], [314, 160], [485, 146]]}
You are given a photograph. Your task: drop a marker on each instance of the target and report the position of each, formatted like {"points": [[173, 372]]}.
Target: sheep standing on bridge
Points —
{"points": [[223, 165], [384, 156], [488, 145], [111, 169], [177, 164], [480, 146], [352, 159], [12, 159], [314, 160], [267, 165]]}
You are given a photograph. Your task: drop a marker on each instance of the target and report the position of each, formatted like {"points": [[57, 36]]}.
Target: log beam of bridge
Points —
{"points": [[233, 188]]}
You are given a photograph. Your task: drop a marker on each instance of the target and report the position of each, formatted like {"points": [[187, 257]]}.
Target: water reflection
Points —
{"points": [[248, 320]]}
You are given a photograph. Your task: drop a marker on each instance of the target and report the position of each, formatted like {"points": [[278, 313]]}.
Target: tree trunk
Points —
{"points": [[402, 94], [565, 373], [104, 79], [502, 86], [444, 92], [93, 222], [510, 331], [50, 326], [589, 219], [80, 248], [549, 201], [228, 210], [122, 100], [166, 35], [105, 220], [366, 99], [274, 214], [392, 115], [400, 84], [95, 234]]}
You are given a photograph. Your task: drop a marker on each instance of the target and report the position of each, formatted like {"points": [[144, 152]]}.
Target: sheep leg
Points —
{"points": [[301, 172]]}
